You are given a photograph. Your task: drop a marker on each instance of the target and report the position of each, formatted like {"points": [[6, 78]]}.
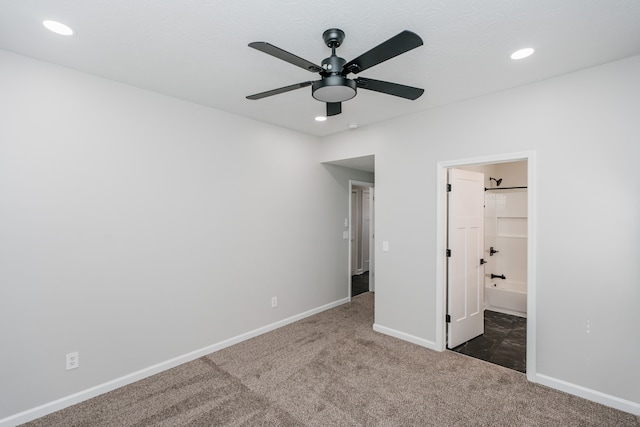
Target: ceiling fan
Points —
{"points": [[334, 87]]}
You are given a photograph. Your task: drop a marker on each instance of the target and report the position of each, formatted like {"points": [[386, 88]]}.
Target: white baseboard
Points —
{"points": [[587, 393], [56, 405], [405, 337]]}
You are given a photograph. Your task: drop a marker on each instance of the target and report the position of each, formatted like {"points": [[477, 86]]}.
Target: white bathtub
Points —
{"points": [[507, 297]]}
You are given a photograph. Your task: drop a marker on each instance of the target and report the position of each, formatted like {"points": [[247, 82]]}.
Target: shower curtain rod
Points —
{"points": [[501, 188]]}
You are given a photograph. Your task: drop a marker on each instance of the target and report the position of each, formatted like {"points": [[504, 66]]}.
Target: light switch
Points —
{"points": [[385, 246], [346, 222], [345, 235]]}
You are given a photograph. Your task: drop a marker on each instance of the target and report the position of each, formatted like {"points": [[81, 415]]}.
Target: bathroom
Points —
{"points": [[506, 239], [505, 236], [505, 268]]}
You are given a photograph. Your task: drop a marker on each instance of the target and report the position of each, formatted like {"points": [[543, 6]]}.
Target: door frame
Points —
{"points": [[354, 183], [441, 241]]}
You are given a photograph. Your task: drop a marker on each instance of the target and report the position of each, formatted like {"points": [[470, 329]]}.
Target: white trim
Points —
{"points": [[532, 238], [56, 405], [405, 337], [441, 261], [441, 221], [590, 394]]}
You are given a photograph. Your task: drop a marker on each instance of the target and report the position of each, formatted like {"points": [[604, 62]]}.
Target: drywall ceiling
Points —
{"points": [[197, 50]]}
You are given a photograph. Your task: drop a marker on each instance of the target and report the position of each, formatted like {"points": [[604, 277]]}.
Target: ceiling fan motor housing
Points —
{"points": [[333, 87], [333, 64]]}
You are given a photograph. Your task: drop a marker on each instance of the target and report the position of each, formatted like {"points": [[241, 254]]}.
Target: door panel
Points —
{"points": [[465, 297]]}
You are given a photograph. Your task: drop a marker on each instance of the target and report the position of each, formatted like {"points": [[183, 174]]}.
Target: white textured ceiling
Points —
{"points": [[197, 49]]}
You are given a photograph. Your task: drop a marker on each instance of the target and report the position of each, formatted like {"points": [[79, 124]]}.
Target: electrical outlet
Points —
{"points": [[73, 360], [274, 302]]}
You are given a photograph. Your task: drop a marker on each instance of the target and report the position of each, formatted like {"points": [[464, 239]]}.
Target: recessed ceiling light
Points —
{"points": [[57, 27], [522, 53], [321, 119]]}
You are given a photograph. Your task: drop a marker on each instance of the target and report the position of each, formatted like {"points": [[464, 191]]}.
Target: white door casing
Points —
{"points": [[465, 290], [366, 225], [441, 244], [372, 243]]}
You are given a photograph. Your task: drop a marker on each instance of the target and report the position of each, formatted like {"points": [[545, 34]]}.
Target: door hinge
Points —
{"points": [[447, 318], [448, 253], [448, 188]]}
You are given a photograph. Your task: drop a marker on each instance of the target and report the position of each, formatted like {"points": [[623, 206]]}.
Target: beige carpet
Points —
{"points": [[331, 369]]}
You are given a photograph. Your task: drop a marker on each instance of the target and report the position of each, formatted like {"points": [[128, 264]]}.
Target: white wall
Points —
{"points": [[585, 132], [513, 174], [136, 228]]}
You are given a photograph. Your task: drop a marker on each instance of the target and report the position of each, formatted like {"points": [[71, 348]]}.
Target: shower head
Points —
{"points": [[498, 181]]}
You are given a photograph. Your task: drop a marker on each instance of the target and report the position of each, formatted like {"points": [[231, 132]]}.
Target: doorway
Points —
{"points": [[528, 326], [361, 238]]}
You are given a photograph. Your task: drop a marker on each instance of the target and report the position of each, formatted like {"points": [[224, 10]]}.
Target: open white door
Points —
{"points": [[465, 294]]}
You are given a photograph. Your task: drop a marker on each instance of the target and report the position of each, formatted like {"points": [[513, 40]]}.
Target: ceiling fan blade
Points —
{"points": [[401, 43], [285, 56], [395, 89], [280, 90], [334, 108]]}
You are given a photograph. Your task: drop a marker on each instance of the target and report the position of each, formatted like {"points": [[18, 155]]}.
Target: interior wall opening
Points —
{"points": [[501, 282], [503, 288], [361, 238]]}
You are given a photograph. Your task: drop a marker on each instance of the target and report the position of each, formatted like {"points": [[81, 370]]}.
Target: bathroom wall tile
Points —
{"points": [[489, 205], [512, 258], [515, 204], [512, 227]]}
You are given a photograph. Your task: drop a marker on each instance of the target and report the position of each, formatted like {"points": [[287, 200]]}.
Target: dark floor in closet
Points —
{"points": [[503, 343], [360, 284]]}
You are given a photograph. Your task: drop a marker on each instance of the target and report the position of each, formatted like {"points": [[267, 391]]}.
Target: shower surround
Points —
{"points": [[506, 247]]}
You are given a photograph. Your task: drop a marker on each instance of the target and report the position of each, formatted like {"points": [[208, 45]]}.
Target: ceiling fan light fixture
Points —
{"points": [[57, 27], [522, 53], [334, 89]]}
